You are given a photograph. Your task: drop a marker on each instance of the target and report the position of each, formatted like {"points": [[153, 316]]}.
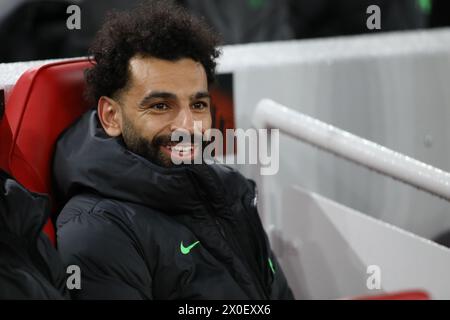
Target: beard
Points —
{"points": [[151, 149]]}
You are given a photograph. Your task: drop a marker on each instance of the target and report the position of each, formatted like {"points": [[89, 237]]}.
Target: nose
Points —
{"points": [[184, 120]]}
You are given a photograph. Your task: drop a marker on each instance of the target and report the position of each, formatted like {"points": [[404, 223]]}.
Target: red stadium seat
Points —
{"points": [[44, 102], [402, 295], [5, 141]]}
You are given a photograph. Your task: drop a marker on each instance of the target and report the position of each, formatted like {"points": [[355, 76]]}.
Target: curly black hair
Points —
{"points": [[159, 29]]}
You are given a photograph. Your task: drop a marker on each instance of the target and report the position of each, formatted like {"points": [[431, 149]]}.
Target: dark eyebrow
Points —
{"points": [[200, 95], [157, 95], [171, 96]]}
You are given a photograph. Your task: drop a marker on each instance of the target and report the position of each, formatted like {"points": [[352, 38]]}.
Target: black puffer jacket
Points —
{"points": [[30, 268], [140, 231]]}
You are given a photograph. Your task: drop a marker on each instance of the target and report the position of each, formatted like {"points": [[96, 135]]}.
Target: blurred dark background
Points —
{"points": [[36, 29]]}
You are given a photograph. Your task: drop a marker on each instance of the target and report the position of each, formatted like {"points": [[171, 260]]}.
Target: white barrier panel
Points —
{"points": [[269, 114], [388, 88], [326, 248]]}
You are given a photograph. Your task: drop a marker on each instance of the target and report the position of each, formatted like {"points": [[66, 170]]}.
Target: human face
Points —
{"points": [[162, 97]]}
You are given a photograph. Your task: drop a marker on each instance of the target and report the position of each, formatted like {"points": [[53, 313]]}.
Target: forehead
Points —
{"points": [[183, 76]]}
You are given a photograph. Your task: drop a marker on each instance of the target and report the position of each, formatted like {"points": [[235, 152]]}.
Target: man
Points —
{"points": [[138, 226]]}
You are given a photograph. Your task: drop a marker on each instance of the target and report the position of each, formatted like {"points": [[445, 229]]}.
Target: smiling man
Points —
{"points": [[169, 96], [139, 226]]}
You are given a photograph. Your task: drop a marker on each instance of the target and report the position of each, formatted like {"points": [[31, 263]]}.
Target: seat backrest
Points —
{"points": [[43, 102]]}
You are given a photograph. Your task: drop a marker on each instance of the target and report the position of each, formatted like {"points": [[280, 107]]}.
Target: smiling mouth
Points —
{"points": [[179, 151]]}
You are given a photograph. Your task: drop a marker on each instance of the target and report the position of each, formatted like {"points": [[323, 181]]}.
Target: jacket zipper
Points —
{"points": [[238, 251], [219, 226], [235, 247]]}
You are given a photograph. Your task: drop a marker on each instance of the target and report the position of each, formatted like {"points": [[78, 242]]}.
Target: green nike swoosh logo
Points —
{"points": [[186, 250], [271, 266]]}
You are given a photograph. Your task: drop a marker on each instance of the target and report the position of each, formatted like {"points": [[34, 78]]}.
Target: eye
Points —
{"points": [[200, 105], [160, 107]]}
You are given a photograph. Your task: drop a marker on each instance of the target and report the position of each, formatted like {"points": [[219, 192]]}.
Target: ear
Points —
{"points": [[110, 116]]}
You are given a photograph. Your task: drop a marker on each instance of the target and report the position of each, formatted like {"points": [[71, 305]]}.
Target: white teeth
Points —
{"points": [[182, 149]]}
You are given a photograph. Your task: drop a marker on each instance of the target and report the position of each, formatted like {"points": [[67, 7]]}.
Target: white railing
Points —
{"points": [[269, 114]]}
